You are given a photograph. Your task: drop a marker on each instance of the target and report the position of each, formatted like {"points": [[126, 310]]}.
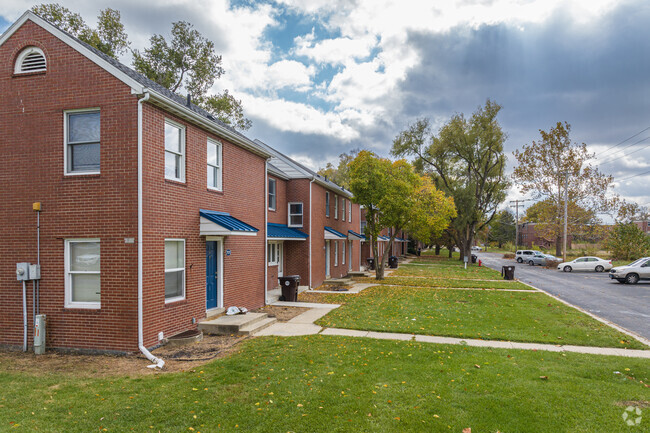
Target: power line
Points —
{"points": [[624, 141], [633, 176], [625, 154]]}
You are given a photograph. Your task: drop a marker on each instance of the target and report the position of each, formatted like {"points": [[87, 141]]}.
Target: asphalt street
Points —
{"points": [[626, 305]]}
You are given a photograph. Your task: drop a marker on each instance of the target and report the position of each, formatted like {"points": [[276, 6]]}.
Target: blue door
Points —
{"points": [[211, 277]]}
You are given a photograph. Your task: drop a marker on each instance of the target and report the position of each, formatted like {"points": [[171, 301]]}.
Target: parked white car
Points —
{"points": [[586, 264], [476, 248], [632, 273]]}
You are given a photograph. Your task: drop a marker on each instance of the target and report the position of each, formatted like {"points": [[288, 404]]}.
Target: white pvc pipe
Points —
{"points": [[157, 362], [310, 237], [266, 230], [24, 317]]}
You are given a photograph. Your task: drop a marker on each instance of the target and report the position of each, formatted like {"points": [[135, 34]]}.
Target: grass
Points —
{"points": [[472, 272], [446, 283], [335, 384], [491, 315]]}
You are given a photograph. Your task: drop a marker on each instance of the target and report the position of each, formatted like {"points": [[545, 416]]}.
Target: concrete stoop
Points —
{"points": [[240, 324], [358, 274], [339, 282], [273, 295]]}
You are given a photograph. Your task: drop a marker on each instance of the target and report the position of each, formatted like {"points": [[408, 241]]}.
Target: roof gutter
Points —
{"points": [[157, 362], [207, 124]]}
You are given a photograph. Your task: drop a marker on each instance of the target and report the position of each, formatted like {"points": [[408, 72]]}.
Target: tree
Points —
{"points": [[502, 228], [109, 37], [189, 63], [395, 196], [542, 170], [626, 241], [466, 161], [340, 174]]}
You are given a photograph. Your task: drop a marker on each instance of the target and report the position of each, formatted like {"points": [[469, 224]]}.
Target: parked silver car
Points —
{"points": [[541, 259], [522, 256], [632, 273]]}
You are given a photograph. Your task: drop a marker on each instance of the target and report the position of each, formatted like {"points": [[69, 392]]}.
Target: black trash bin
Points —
{"points": [[392, 262], [474, 258], [508, 272], [371, 263], [289, 286], [419, 251]]}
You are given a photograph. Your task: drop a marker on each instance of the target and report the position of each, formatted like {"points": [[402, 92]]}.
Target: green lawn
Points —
{"points": [[490, 315], [440, 270], [447, 282], [334, 384]]}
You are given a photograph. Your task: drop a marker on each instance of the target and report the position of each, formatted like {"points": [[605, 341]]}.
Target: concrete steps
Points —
{"points": [[240, 324], [339, 282]]}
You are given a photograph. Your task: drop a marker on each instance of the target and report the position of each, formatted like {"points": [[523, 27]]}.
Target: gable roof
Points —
{"points": [[159, 95], [292, 169]]}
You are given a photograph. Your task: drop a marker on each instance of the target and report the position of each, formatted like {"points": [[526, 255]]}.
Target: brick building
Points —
{"points": [[148, 223], [531, 238]]}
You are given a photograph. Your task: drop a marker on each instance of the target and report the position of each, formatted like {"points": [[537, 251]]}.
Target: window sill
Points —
{"points": [[215, 190], [175, 301], [272, 209], [176, 182], [75, 175]]}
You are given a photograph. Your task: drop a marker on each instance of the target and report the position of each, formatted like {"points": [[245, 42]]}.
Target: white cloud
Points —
{"points": [[334, 51]]}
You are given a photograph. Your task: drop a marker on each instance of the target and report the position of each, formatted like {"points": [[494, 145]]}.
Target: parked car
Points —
{"points": [[632, 273], [524, 255], [541, 259], [586, 264], [476, 248]]}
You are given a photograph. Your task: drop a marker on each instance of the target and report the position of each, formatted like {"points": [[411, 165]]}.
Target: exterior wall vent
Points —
{"points": [[31, 59]]}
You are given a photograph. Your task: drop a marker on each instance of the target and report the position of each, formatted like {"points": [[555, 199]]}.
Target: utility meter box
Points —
{"points": [[22, 271], [39, 334], [34, 272]]}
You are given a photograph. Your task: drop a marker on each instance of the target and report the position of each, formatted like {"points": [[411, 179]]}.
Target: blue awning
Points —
{"points": [[384, 238], [215, 223], [282, 232], [353, 236], [330, 233]]}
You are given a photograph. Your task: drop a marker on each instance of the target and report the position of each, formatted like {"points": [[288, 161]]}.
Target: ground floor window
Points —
{"points": [[174, 269], [343, 251], [273, 251], [82, 273]]}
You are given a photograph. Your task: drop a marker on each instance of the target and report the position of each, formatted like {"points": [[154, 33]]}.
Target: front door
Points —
{"points": [[350, 255], [212, 279], [327, 258], [280, 259]]}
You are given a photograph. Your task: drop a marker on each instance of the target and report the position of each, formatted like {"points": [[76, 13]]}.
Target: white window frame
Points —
{"points": [[182, 297], [336, 253], [273, 252], [343, 252], [336, 207], [327, 204], [66, 116], [181, 154], [289, 214], [343, 209], [18, 66], [69, 303], [274, 194], [219, 167], [349, 211]]}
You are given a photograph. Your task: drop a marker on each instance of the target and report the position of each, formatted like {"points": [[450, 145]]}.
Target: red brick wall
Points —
{"points": [[279, 215], [296, 253], [172, 211], [92, 206]]}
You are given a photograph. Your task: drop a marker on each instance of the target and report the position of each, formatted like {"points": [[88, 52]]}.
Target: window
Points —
{"points": [[350, 252], [273, 251], [174, 269], [327, 203], [82, 273], [295, 214], [272, 194], [174, 151], [31, 59], [336, 253], [343, 253], [82, 130], [214, 165], [349, 211], [343, 209], [363, 227], [336, 206]]}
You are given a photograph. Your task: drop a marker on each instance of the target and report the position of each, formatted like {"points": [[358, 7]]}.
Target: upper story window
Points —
{"points": [[82, 149], [327, 203], [343, 209], [349, 211], [295, 214], [273, 196], [174, 151], [31, 59], [214, 165], [82, 273], [362, 226], [336, 206]]}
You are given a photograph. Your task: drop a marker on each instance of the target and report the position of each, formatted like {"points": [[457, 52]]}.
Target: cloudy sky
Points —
{"points": [[321, 77]]}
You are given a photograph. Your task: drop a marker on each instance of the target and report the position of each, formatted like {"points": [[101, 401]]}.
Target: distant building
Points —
{"points": [[531, 238]]}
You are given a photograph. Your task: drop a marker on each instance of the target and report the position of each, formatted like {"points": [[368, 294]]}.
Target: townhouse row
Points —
{"points": [[153, 214]]}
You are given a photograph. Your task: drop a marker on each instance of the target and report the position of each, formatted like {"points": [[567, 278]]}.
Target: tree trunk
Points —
{"points": [[379, 265], [558, 246], [437, 250]]}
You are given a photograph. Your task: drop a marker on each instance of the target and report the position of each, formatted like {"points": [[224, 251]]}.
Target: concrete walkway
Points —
{"points": [[354, 289]]}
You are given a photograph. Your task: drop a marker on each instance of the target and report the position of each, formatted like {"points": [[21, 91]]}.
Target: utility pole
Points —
{"points": [[566, 209], [516, 206]]}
